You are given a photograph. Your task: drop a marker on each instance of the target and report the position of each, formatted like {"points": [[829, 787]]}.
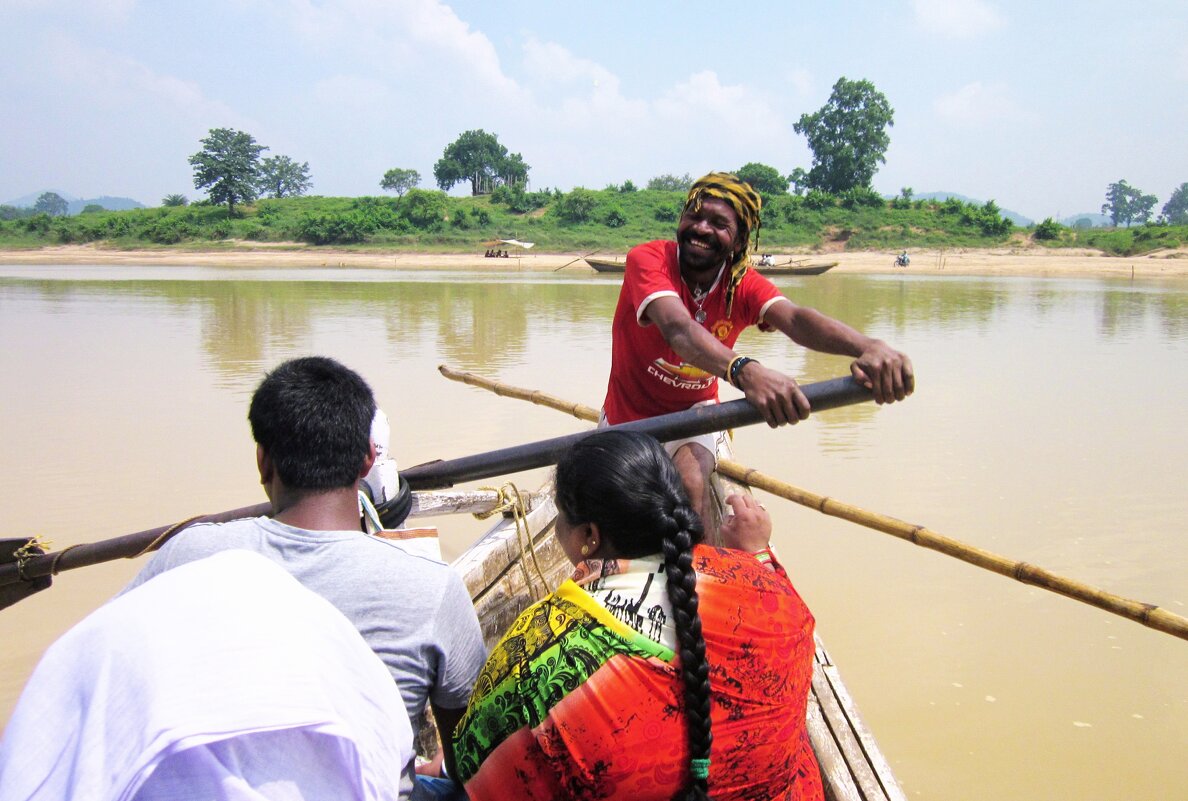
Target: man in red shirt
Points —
{"points": [[681, 309]]}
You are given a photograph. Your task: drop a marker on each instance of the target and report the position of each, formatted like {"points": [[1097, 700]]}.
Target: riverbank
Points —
{"points": [[1006, 261]]}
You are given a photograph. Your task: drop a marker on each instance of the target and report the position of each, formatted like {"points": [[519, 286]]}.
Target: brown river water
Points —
{"points": [[1047, 426]]}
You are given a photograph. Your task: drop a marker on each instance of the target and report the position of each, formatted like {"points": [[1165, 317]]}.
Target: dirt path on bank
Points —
{"points": [[1006, 261]]}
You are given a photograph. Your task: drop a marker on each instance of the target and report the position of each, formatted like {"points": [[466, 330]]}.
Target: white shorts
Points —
{"points": [[711, 441]]}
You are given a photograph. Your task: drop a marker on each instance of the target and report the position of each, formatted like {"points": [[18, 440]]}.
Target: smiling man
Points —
{"points": [[681, 309]]}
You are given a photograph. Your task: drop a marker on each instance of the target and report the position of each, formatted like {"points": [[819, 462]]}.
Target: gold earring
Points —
{"points": [[585, 550]]}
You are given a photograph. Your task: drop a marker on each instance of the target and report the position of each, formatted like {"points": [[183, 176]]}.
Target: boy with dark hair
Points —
{"points": [[311, 419]]}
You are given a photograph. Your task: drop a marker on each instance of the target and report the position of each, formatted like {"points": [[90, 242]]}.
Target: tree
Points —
{"points": [[763, 179], [671, 183], [228, 166], [175, 200], [280, 176], [513, 171], [92, 208], [1126, 204], [848, 136], [1176, 207], [424, 208], [477, 157], [51, 203], [1143, 206], [400, 181], [798, 180], [577, 206]]}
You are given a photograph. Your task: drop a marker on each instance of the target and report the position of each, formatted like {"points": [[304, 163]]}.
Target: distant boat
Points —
{"points": [[797, 269], [606, 265]]}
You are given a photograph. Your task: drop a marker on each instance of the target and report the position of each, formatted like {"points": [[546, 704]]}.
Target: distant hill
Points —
{"points": [[1013, 216], [1095, 220], [74, 204], [107, 202]]}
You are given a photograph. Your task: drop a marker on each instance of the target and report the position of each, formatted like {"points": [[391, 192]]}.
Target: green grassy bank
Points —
{"points": [[607, 220]]}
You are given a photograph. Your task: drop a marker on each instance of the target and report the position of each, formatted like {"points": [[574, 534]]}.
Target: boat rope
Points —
{"points": [[34, 546], [511, 503], [164, 535]]}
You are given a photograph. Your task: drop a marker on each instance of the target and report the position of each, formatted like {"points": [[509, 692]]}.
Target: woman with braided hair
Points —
{"points": [[664, 668]]}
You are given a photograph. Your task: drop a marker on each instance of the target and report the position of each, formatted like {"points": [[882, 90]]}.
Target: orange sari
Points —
{"points": [[575, 703]]}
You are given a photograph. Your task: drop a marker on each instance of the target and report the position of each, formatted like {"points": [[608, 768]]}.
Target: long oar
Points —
{"points": [[571, 261], [1148, 614], [433, 475], [24, 569]]}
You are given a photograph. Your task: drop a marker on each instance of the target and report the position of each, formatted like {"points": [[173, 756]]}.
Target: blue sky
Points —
{"points": [[1038, 105]]}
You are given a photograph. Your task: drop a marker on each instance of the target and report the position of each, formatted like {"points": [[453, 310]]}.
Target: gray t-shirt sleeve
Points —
{"points": [[461, 653], [175, 552]]}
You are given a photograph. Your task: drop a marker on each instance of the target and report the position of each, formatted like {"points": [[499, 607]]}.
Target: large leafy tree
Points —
{"points": [[848, 136], [765, 180], [1176, 207], [400, 181], [477, 157], [280, 176], [1126, 204], [228, 167], [51, 203]]}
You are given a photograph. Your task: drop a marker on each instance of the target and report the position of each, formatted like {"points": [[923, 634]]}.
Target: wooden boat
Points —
{"points": [[797, 269], [519, 562], [605, 265]]}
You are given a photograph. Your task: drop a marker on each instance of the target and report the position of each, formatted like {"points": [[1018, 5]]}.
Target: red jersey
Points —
{"points": [[647, 378]]}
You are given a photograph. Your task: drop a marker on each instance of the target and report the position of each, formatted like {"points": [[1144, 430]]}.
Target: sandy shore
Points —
{"points": [[1006, 261]]}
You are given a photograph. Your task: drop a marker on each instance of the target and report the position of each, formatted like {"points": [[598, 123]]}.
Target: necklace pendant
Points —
{"points": [[699, 316]]}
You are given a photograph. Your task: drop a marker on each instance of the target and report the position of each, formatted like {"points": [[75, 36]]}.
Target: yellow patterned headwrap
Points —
{"points": [[746, 204]]}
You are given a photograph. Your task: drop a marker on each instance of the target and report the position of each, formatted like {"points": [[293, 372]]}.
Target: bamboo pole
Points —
{"points": [[1149, 615], [131, 546]]}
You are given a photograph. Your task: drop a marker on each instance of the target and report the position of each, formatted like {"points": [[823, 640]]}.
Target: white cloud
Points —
{"points": [[976, 104], [703, 100], [424, 39], [112, 81], [957, 18], [551, 64]]}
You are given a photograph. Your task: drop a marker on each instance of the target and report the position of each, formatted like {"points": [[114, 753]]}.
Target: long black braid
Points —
{"points": [[627, 484]]}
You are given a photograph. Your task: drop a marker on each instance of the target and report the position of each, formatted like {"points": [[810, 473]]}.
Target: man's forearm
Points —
{"points": [[815, 331], [698, 347]]}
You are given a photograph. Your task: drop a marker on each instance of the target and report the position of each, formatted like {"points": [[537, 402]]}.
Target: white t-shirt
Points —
{"points": [[221, 679]]}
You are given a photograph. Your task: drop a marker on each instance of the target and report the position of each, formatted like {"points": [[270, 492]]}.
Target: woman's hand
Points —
{"points": [[749, 528]]}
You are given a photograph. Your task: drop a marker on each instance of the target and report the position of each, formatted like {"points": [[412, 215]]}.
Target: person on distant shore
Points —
{"points": [[681, 308], [312, 420], [664, 669]]}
